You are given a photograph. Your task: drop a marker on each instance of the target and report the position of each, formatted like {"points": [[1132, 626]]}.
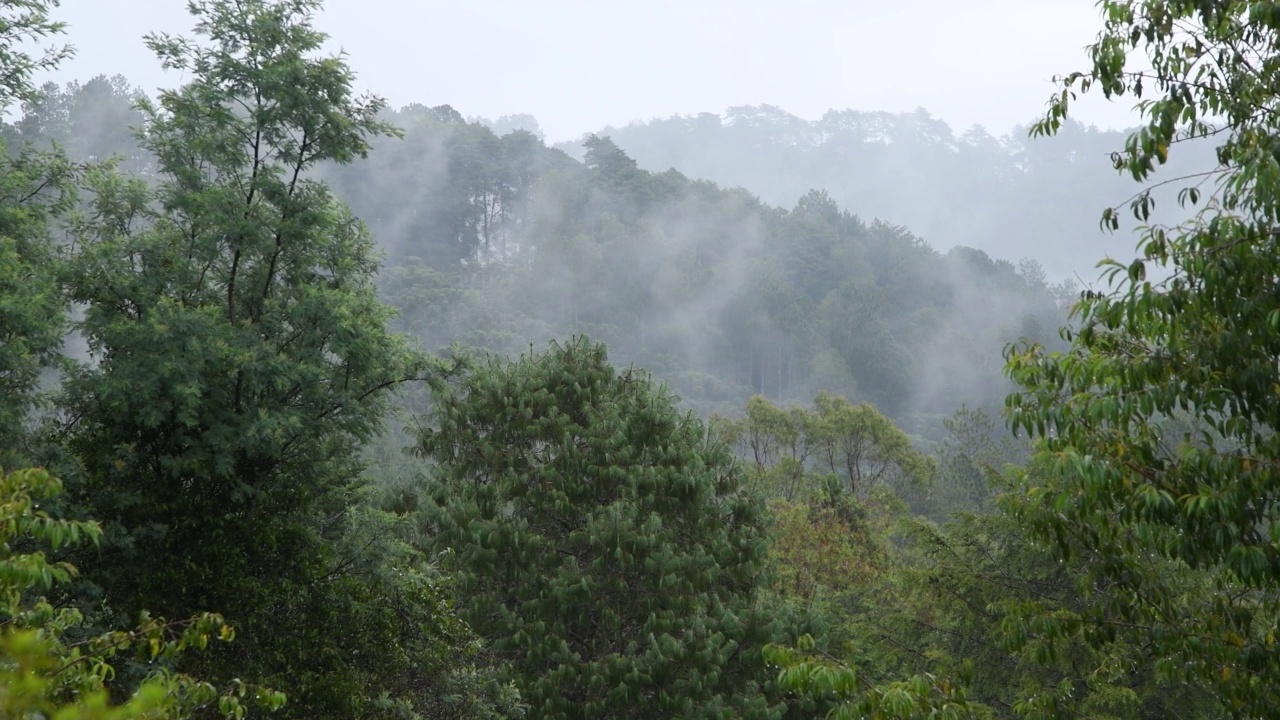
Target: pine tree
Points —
{"points": [[602, 541]]}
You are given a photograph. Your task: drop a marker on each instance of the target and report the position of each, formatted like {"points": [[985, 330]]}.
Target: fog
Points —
{"points": [[579, 65], [556, 359], [761, 197]]}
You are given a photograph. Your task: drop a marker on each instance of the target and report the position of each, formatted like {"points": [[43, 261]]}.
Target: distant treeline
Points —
{"points": [[498, 241], [1009, 195]]}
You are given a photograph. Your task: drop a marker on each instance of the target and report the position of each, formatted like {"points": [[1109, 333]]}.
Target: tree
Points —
{"points": [[970, 457], [45, 673], [956, 605], [792, 449], [827, 475], [802, 670], [35, 187], [715, 292], [954, 609], [603, 542], [239, 360], [857, 325], [1157, 429], [92, 121], [23, 23]]}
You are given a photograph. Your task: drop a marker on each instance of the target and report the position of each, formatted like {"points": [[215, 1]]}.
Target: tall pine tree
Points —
{"points": [[603, 541]]}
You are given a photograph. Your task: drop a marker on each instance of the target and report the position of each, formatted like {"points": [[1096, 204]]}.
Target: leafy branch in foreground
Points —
{"points": [[803, 669], [1159, 460], [44, 672], [23, 23]]}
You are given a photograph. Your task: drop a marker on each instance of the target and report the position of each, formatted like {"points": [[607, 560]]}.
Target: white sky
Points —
{"points": [[578, 65]]}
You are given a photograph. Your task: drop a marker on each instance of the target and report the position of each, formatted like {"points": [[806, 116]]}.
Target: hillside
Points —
{"points": [[497, 242], [1008, 195]]}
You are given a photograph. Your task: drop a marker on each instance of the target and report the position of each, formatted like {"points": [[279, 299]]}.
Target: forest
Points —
{"points": [[315, 407]]}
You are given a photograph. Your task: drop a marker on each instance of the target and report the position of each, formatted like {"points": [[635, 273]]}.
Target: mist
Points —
{"points": [[563, 359], [578, 66], [867, 254], [784, 246], [743, 227]]}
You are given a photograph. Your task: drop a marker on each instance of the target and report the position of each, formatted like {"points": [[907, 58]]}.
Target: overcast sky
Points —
{"points": [[578, 65]]}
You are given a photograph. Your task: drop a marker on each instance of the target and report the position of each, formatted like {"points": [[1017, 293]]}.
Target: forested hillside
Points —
{"points": [[311, 407], [496, 242], [1008, 195], [716, 292]]}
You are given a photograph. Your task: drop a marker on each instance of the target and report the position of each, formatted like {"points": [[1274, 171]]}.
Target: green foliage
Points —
{"points": [[1158, 443], [792, 449], [48, 668], [805, 671], [602, 541], [824, 548], [450, 193], [971, 460], [954, 186], [720, 295], [830, 473], [24, 23], [974, 597], [91, 122], [35, 187], [959, 610], [240, 359], [611, 552]]}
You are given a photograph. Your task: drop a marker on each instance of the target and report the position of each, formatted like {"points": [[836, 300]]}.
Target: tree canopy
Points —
{"points": [[238, 360], [1158, 427], [201, 336], [602, 540]]}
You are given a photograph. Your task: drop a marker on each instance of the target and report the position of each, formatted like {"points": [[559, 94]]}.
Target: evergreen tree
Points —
{"points": [[603, 541]]}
